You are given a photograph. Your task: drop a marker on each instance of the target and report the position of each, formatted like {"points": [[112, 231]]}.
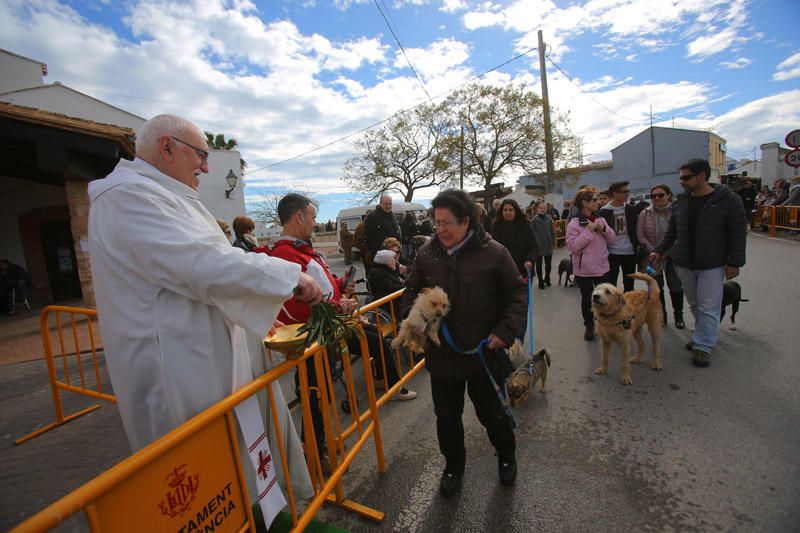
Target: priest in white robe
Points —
{"points": [[172, 293]]}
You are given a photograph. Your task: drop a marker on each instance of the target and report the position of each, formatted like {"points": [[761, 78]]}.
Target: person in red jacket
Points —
{"points": [[297, 215]]}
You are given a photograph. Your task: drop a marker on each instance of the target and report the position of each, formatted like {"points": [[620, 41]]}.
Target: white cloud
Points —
{"points": [[788, 68], [452, 6], [738, 63], [435, 59], [626, 22]]}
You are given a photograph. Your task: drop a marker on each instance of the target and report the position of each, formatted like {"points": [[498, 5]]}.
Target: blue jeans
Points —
{"points": [[703, 290]]}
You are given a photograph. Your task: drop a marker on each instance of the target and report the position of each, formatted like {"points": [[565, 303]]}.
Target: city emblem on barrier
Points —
{"points": [[181, 493]]}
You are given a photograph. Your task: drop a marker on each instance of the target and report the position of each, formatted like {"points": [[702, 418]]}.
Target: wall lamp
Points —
{"points": [[231, 178]]}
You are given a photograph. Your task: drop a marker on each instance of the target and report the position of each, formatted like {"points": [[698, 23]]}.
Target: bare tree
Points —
{"points": [[410, 152], [265, 207], [504, 131]]}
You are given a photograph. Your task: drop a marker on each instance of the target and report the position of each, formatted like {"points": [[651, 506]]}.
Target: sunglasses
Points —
{"points": [[686, 177], [659, 195]]}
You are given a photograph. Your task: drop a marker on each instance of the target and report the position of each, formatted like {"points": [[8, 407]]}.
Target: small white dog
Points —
{"points": [[423, 321]]}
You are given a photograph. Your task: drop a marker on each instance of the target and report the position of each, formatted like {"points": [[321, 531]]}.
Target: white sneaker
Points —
{"points": [[404, 394]]}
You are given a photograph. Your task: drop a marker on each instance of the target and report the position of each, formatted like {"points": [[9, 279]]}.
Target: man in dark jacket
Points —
{"points": [[621, 217], [488, 301], [379, 225], [708, 227]]}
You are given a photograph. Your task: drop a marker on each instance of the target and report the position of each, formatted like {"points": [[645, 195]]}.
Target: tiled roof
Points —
{"points": [[124, 136]]}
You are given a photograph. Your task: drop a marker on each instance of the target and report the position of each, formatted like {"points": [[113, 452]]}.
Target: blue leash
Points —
{"points": [[478, 350], [530, 312]]}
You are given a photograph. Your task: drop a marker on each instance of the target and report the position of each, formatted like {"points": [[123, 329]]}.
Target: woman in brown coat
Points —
{"points": [[488, 301]]}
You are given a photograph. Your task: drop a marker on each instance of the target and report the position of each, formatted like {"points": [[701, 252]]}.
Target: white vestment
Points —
{"points": [[166, 279], [171, 291]]}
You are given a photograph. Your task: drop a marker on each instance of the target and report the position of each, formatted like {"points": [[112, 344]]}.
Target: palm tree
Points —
{"points": [[218, 142]]}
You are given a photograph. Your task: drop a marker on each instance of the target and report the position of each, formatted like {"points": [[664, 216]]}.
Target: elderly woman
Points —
{"points": [[488, 303], [545, 234], [243, 229], [513, 230], [393, 245], [384, 277], [650, 229], [588, 237]]}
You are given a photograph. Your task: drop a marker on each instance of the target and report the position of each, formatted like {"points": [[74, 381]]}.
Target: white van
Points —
{"points": [[352, 217]]}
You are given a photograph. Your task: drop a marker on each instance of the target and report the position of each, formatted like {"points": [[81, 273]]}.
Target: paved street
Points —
{"points": [[682, 449]]}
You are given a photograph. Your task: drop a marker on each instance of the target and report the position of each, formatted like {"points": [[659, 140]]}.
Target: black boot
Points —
{"points": [[449, 484], [677, 307], [507, 469], [588, 334]]}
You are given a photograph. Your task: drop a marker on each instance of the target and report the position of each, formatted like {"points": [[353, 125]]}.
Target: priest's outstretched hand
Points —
{"points": [[307, 290]]}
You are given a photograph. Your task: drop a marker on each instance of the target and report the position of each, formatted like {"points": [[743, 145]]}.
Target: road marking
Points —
{"points": [[419, 499]]}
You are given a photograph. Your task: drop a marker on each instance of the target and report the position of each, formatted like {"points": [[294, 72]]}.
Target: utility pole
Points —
{"points": [[652, 149], [548, 137], [461, 161]]}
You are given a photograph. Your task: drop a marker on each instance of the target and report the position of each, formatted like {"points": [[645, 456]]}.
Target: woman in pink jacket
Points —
{"points": [[588, 238]]}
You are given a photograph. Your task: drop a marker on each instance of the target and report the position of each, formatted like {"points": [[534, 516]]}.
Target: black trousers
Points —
{"points": [[548, 266], [354, 346], [628, 265], [587, 285], [448, 404]]}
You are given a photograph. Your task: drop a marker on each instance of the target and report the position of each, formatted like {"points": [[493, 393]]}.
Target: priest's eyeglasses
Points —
{"points": [[202, 154]]}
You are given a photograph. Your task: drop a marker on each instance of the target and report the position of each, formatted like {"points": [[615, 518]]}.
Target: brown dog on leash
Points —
{"points": [[620, 318], [522, 380]]}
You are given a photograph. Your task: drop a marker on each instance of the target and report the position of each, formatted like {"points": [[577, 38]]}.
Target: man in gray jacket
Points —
{"points": [[708, 228]]}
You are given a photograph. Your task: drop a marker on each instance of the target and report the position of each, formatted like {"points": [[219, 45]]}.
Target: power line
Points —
{"points": [[402, 49], [581, 89], [315, 149], [195, 106]]}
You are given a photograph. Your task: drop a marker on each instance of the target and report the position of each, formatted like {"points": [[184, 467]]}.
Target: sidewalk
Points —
{"points": [[21, 339]]}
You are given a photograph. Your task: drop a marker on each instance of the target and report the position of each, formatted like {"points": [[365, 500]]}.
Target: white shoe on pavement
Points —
{"points": [[404, 394]]}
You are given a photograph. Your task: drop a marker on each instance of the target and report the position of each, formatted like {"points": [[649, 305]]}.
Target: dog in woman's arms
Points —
{"points": [[423, 321], [521, 382]]}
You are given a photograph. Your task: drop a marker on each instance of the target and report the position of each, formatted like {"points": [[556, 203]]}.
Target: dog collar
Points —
{"points": [[626, 323], [428, 322]]}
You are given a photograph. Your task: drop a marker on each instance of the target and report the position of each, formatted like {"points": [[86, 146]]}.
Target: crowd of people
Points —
{"points": [[186, 300]]}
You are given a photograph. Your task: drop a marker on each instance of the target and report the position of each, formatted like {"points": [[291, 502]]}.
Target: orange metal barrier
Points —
{"points": [[415, 363], [779, 217], [208, 444], [193, 478], [56, 384], [561, 231]]}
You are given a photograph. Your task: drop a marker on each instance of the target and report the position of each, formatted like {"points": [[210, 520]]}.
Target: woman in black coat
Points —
{"points": [[384, 277], [512, 230]]}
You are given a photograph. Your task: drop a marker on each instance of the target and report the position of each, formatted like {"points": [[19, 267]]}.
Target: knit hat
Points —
{"points": [[384, 257]]}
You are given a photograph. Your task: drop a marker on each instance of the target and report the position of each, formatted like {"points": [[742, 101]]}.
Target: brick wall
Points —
{"points": [[78, 202]]}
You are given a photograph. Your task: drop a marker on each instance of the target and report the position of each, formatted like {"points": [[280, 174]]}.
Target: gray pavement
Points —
{"points": [[681, 449]]}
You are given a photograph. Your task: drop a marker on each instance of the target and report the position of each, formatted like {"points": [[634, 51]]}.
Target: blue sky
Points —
{"points": [[284, 77]]}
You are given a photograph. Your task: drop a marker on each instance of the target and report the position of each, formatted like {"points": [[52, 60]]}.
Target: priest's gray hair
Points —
{"points": [[159, 126]]}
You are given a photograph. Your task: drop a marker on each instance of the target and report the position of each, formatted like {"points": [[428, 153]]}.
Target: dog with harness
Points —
{"points": [[620, 318]]}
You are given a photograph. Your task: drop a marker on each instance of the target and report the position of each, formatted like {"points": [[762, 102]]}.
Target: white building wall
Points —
{"points": [[773, 165], [61, 99], [213, 185], [17, 72]]}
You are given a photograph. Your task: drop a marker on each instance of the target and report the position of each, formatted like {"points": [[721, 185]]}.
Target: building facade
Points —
{"points": [[56, 139]]}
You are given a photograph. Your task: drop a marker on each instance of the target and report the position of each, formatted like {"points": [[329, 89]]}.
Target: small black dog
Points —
{"points": [[565, 266], [731, 295]]}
